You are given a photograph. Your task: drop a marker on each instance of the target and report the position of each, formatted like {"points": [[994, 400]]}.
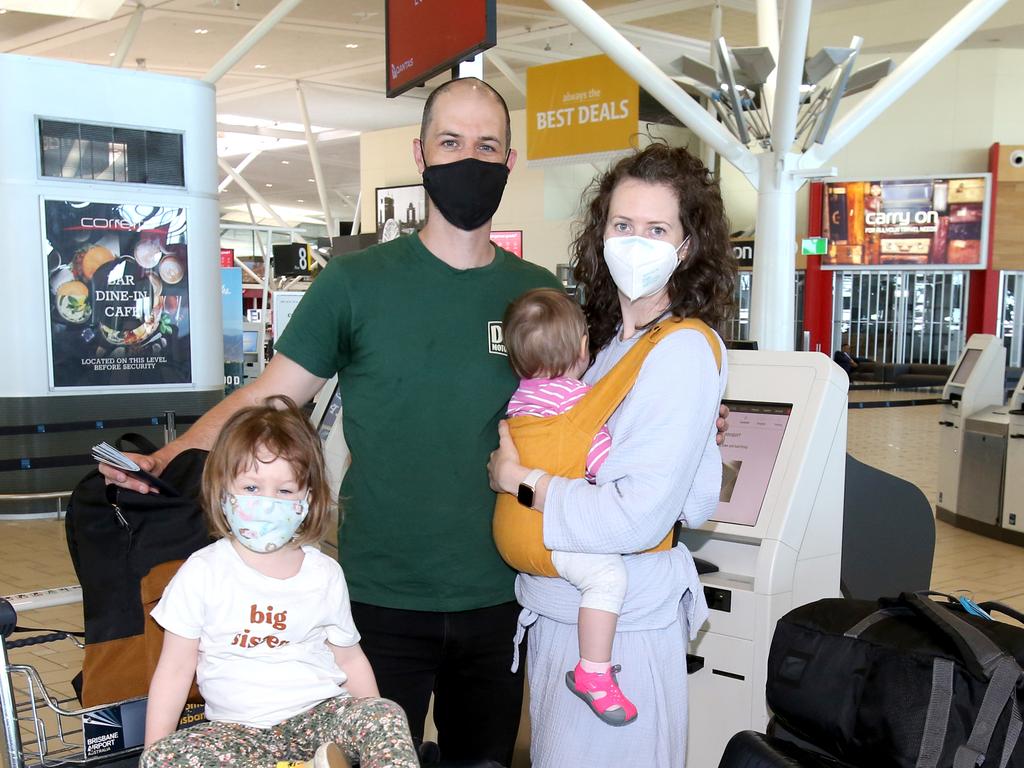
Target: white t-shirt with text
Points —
{"points": [[263, 654]]}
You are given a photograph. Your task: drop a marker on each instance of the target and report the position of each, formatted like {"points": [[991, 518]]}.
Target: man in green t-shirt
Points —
{"points": [[413, 330]]}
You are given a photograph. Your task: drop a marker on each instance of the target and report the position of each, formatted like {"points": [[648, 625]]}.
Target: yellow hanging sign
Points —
{"points": [[580, 107]]}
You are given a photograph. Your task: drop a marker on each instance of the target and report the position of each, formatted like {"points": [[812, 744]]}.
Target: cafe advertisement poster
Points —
{"points": [[919, 223], [117, 282]]}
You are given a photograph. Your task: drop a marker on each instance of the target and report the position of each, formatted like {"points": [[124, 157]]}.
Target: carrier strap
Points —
{"points": [[604, 397]]}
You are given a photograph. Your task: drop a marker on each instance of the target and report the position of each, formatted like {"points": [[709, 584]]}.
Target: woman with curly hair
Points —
{"points": [[654, 245]]}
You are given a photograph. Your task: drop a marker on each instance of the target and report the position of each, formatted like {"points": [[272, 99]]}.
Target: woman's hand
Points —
{"points": [[722, 423], [504, 470]]}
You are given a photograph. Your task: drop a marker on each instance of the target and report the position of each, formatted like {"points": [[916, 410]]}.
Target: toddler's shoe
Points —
{"points": [[586, 684], [329, 755]]}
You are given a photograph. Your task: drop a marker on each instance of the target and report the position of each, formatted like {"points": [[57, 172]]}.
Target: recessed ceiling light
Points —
{"points": [[259, 66], [3, 11], [285, 162], [351, 45], [112, 53], [300, 201], [312, 180], [201, 30], [268, 185]]}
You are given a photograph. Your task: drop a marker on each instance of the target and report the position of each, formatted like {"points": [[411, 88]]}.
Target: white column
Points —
{"points": [[771, 295], [707, 151], [253, 36], [314, 158], [129, 36], [768, 37]]}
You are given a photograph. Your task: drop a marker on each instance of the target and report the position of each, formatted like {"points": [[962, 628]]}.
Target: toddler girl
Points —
{"points": [[545, 334], [262, 619]]}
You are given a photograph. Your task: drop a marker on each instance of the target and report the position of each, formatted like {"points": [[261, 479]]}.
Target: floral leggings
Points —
{"points": [[372, 731]]}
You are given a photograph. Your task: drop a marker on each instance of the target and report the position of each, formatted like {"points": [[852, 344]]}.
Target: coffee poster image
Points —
{"points": [[117, 282]]}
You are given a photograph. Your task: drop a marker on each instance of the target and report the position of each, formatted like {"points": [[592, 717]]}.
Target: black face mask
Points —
{"points": [[466, 192]]}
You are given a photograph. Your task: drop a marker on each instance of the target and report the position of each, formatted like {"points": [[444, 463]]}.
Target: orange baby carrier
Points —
{"points": [[559, 445]]}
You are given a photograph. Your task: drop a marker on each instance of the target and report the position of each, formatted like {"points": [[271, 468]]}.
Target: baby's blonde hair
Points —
{"points": [[278, 428]]}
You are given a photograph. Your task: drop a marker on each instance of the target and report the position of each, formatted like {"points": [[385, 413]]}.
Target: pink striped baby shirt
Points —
{"points": [[550, 397]]}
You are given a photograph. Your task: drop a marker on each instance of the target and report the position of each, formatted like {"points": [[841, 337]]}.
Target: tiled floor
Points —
{"points": [[900, 440]]}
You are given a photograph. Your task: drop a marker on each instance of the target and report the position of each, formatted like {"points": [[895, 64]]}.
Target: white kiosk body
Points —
{"points": [[776, 537], [977, 382], [326, 418], [1013, 488]]}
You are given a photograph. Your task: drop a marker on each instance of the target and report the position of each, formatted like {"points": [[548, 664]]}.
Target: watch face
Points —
{"points": [[525, 495]]}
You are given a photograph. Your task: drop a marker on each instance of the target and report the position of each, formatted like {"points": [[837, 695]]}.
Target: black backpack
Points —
{"points": [[114, 537], [908, 682]]}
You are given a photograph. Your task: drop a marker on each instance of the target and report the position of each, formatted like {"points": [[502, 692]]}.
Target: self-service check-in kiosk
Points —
{"points": [[776, 537], [976, 384], [1013, 488], [326, 418]]}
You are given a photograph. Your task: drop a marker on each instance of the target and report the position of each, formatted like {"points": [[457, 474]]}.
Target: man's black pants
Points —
{"points": [[464, 658]]}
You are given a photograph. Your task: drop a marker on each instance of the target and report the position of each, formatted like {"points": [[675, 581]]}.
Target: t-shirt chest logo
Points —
{"points": [[496, 338]]}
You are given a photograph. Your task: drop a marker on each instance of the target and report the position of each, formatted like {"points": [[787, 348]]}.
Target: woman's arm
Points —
{"points": [[353, 662], [661, 436], [170, 684]]}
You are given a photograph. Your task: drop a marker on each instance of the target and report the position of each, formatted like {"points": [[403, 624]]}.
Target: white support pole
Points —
{"points": [[356, 222], [129, 36], [657, 83], [707, 151], [254, 35], [250, 191], [793, 49], [238, 169], [916, 66], [768, 37], [314, 158], [510, 74]]}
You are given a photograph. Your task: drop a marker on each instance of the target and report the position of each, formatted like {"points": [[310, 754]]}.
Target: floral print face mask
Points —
{"points": [[263, 523]]}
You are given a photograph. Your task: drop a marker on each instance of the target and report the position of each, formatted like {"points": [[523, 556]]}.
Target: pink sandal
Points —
{"points": [[585, 684]]}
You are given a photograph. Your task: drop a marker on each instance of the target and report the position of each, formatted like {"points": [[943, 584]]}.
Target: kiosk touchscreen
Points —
{"points": [[977, 382], [776, 536]]}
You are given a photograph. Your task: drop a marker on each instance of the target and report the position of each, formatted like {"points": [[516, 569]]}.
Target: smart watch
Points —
{"points": [[527, 488]]}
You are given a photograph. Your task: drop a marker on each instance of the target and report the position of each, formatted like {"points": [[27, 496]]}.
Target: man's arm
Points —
{"points": [[281, 377]]}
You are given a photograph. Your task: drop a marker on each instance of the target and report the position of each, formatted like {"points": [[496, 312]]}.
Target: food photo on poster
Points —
{"points": [[117, 279]]}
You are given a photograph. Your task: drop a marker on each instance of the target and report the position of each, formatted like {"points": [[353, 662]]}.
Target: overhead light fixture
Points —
{"points": [[351, 45], [313, 181], [259, 66], [112, 53], [201, 30], [300, 201], [285, 162], [268, 185], [3, 11]]}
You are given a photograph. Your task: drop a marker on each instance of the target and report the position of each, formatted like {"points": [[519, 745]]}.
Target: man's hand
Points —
{"points": [[722, 423], [154, 464]]}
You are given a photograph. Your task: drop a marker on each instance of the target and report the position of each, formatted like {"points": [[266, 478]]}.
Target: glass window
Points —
{"points": [[106, 153]]}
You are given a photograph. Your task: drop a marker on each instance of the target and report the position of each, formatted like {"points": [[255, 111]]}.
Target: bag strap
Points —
{"points": [[143, 443], [604, 397], [991, 606], [980, 655], [998, 694]]}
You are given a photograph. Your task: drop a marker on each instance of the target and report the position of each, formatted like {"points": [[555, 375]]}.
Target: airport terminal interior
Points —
{"points": [[214, 155]]}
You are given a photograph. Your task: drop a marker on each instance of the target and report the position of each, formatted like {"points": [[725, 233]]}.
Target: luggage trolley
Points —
{"points": [[40, 730]]}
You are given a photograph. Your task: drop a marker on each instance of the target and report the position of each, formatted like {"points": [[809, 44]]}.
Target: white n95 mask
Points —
{"points": [[640, 266]]}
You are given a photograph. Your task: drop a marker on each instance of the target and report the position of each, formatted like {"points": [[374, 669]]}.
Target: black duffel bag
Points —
{"points": [[114, 537], [908, 682]]}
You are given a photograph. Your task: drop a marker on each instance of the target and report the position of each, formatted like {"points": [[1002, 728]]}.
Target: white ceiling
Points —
{"points": [[336, 49]]}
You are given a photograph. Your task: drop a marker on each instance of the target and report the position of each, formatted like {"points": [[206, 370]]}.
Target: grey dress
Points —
{"points": [[664, 465]]}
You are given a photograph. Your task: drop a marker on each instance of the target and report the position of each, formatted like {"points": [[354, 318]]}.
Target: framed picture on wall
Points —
{"points": [[510, 240], [400, 210]]}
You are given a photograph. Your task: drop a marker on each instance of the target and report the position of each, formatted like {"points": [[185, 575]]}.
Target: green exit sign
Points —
{"points": [[814, 246]]}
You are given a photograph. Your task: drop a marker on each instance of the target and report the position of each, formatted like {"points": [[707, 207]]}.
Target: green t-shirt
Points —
{"points": [[424, 380]]}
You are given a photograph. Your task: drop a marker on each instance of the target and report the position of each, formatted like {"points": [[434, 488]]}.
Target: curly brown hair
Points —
{"points": [[703, 285]]}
